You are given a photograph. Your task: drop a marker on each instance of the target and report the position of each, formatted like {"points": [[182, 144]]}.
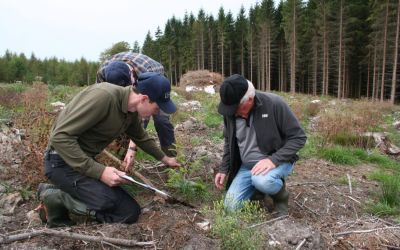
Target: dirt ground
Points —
{"points": [[326, 212]]}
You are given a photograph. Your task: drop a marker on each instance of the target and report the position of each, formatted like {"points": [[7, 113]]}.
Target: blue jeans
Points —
{"points": [[245, 184]]}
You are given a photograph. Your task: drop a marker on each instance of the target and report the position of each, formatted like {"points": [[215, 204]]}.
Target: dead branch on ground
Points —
{"points": [[364, 231], [51, 232]]}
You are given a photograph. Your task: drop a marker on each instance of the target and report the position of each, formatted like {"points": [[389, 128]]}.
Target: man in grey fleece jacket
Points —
{"points": [[262, 138]]}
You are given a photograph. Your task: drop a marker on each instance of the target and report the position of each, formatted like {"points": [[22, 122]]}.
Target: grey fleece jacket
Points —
{"points": [[278, 134]]}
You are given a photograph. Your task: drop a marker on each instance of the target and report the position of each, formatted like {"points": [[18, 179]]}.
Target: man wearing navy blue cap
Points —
{"points": [[124, 69], [93, 119], [262, 137]]}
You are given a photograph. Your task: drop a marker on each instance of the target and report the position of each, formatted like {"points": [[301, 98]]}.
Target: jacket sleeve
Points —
{"points": [[224, 167], [78, 118], [291, 132]]}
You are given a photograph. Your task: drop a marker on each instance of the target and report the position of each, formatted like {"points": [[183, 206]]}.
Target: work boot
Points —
{"points": [[170, 150], [264, 200], [281, 201], [42, 187], [56, 205]]}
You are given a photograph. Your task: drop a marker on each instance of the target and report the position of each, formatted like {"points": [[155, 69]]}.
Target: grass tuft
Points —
{"points": [[233, 228]]}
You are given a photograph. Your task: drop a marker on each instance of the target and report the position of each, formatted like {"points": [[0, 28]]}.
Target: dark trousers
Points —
{"points": [[164, 128], [112, 204]]}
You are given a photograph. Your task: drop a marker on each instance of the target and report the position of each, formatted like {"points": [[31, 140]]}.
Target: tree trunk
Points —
{"points": [[374, 74], [396, 47], [202, 48], [262, 66], [211, 52], [324, 64], [242, 57], [343, 80], [170, 64], [339, 94], [251, 56], [222, 57], [315, 69], [384, 51], [293, 55], [230, 60], [269, 62], [368, 73]]}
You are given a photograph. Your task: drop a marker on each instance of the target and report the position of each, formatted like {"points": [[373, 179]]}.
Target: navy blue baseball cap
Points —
{"points": [[158, 88], [118, 73]]}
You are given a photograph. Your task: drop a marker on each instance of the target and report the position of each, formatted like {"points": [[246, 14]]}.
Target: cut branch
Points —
{"points": [[364, 231], [100, 239], [269, 221]]}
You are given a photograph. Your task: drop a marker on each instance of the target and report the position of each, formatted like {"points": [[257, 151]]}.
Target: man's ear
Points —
{"points": [[143, 98]]}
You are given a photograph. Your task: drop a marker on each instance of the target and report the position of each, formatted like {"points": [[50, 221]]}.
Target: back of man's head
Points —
{"points": [[118, 73]]}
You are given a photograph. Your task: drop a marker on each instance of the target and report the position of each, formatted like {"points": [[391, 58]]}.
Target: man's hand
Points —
{"points": [[219, 180], [111, 177], [129, 159], [263, 167], [169, 161]]}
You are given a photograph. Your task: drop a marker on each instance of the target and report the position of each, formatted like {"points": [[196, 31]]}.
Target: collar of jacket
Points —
{"points": [[125, 98]]}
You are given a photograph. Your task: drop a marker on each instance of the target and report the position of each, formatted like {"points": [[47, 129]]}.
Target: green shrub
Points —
{"points": [[187, 183], [233, 228], [190, 189], [212, 120], [217, 136]]}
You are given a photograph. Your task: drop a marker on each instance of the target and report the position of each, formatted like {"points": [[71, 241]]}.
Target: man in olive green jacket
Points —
{"points": [[93, 119]]}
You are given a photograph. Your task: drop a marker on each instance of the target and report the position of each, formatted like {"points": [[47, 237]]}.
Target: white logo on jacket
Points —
{"points": [[264, 115]]}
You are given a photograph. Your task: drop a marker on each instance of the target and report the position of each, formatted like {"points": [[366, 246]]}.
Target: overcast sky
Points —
{"points": [[72, 29]]}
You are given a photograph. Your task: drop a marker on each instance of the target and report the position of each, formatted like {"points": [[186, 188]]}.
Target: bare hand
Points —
{"points": [[129, 159], [263, 167], [111, 177], [219, 180], [169, 161]]}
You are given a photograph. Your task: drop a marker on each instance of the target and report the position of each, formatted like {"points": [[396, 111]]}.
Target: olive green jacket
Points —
{"points": [[92, 120]]}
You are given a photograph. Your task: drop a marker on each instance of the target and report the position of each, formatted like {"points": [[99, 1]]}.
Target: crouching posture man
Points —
{"points": [[262, 137], [93, 119]]}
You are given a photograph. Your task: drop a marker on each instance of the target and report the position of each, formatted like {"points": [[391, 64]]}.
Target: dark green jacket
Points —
{"points": [[278, 133], [91, 121]]}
